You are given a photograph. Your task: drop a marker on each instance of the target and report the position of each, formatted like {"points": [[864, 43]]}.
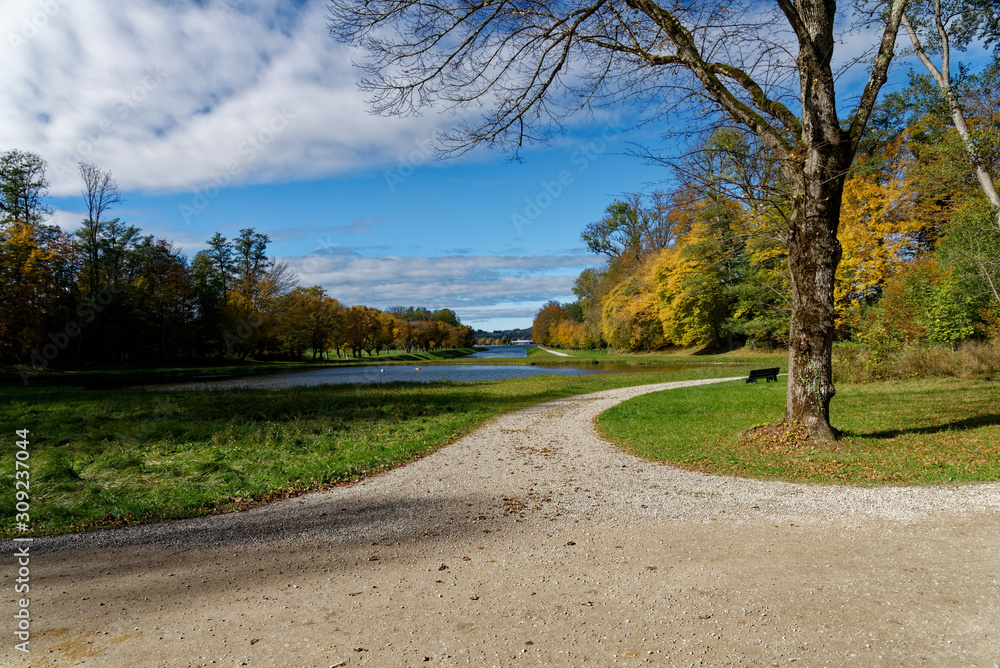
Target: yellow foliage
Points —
{"points": [[31, 256], [631, 311], [670, 271], [878, 221]]}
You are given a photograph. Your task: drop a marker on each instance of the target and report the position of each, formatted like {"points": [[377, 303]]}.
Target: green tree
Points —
{"points": [[631, 229], [23, 188], [972, 250], [937, 27], [425, 53]]}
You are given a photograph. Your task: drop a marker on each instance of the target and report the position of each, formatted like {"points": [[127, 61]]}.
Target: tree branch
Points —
{"points": [[879, 73]]}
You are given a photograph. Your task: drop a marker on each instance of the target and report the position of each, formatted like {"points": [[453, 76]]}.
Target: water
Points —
{"points": [[495, 352], [463, 373]]}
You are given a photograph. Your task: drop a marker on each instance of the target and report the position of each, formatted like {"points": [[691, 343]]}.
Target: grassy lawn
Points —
{"points": [[103, 458], [679, 356], [912, 433], [538, 352], [130, 375], [434, 355], [109, 457]]}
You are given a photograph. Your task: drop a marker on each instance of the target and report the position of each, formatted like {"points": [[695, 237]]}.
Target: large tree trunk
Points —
{"points": [[813, 256], [816, 170]]}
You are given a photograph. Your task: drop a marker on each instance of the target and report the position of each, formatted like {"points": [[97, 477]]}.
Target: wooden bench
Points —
{"points": [[767, 374]]}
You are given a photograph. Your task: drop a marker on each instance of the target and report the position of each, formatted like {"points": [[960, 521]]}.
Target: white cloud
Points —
{"points": [[477, 287], [517, 316], [173, 96], [67, 220]]}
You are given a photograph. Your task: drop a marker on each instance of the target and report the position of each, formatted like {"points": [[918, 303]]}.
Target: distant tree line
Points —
{"points": [[107, 294], [501, 337]]}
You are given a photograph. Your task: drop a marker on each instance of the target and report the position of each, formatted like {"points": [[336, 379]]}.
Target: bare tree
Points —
{"points": [[100, 193], [954, 23], [526, 65]]}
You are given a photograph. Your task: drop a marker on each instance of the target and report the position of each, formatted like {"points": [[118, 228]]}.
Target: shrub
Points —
{"points": [[972, 359]]}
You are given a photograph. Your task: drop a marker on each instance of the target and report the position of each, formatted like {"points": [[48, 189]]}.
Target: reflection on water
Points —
{"points": [[494, 352], [463, 373]]}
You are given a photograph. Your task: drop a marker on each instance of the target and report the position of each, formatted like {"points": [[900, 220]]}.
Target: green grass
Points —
{"points": [[678, 356], [132, 375], [104, 458], [434, 355], [110, 375], [910, 433], [536, 351]]}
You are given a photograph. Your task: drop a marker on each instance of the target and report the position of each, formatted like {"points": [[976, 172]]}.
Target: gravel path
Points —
{"points": [[556, 352], [533, 542]]}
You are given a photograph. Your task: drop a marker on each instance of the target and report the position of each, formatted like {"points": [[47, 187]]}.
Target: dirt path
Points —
{"points": [[534, 543], [556, 352]]}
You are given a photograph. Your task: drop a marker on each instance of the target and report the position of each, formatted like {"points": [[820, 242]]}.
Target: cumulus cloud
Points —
{"points": [[181, 95], [478, 287]]}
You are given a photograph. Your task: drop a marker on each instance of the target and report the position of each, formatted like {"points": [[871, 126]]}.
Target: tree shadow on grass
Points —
{"points": [[966, 424]]}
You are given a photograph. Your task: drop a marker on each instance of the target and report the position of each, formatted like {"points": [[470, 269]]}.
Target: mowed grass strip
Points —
{"points": [[679, 356], [104, 458], [905, 433]]}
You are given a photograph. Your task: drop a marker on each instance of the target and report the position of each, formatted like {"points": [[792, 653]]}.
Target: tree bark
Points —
{"points": [[813, 256], [816, 169]]}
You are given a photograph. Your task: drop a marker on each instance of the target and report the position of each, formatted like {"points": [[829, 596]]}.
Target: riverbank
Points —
{"points": [[532, 541], [106, 458]]}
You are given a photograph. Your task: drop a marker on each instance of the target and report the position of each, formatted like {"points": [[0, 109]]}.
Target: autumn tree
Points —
{"points": [[23, 188], [35, 289], [631, 227], [531, 65], [880, 232], [630, 316], [547, 318], [692, 279], [37, 265], [935, 28]]}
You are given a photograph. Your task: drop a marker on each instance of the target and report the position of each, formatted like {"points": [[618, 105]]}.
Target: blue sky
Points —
{"points": [[224, 114]]}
